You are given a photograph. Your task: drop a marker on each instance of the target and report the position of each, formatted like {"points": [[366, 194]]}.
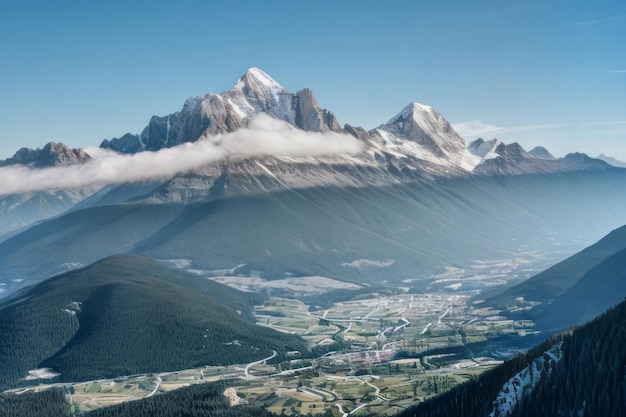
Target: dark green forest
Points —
{"points": [[49, 403], [126, 315]]}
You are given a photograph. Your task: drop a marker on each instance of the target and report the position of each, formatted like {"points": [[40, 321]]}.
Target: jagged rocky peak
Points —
{"points": [[212, 114], [310, 117], [516, 151], [541, 152], [483, 148], [51, 155], [128, 143]]}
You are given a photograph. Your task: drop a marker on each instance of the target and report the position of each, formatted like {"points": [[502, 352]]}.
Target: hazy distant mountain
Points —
{"points": [[128, 314], [612, 161], [422, 226], [20, 210], [576, 289], [541, 152]]}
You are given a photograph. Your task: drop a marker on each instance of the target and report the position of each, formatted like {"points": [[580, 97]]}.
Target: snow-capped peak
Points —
{"points": [[257, 92], [425, 126], [259, 81], [424, 115], [484, 149]]}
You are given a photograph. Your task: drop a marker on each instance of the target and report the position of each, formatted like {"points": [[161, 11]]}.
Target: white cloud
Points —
{"points": [[617, 72], [599, 21], [264, 136], [475, 129]]}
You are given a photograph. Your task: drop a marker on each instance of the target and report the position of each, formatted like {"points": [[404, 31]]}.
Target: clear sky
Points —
{"points": [[549, 73]]}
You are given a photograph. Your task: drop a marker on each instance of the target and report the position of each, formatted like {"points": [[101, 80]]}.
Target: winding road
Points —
{"points": [[259, 362]]}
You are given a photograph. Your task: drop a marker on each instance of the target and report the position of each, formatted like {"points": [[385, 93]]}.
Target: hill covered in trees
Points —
{"points": [[48, 403], [129, 314]]}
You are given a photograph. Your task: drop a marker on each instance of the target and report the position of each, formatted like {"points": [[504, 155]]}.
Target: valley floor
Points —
{"points": [[402, 349]]}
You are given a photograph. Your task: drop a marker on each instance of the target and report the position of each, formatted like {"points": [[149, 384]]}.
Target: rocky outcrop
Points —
{"points": [[128, 143], [52, 154], [212, 114], [310, 117]]}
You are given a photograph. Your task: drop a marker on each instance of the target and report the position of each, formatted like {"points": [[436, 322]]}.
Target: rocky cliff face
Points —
{"points": [[255, 92], [310, 117], [52, 154]]}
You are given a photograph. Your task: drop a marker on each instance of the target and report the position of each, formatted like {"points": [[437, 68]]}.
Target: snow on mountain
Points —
{"points": [[425, 126], [479, 151], [257, 92], [522, 383], [418, 141]]}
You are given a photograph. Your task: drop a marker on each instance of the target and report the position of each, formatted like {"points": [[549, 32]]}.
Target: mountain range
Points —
{"points": [[408, 205], [414, 197]]}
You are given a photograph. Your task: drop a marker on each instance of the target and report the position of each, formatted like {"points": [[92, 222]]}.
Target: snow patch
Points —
{"points": [[295, 285], [359, 263], [41, 373], [178, 263], [524, 382], [454, 286]]}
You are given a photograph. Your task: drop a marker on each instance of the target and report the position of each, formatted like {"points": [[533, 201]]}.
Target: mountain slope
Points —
{"points": [[417, 144], [421, 226], [128, 314], [21, 210], [602, 286], [575, 289]]}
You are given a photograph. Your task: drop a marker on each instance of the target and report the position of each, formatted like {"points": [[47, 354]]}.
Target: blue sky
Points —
{"points": [[536, 72]]}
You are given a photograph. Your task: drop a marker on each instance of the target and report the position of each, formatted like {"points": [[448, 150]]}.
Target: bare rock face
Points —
{"points": [[310, 117], [212, 114], [52, 154], [128, 143]]}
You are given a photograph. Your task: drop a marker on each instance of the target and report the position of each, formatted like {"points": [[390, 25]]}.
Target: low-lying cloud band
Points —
{"points": [[264, 136]]}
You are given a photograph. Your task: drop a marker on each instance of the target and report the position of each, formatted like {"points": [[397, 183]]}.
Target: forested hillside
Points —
{"points": [[49, 403], [129, 314]]}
